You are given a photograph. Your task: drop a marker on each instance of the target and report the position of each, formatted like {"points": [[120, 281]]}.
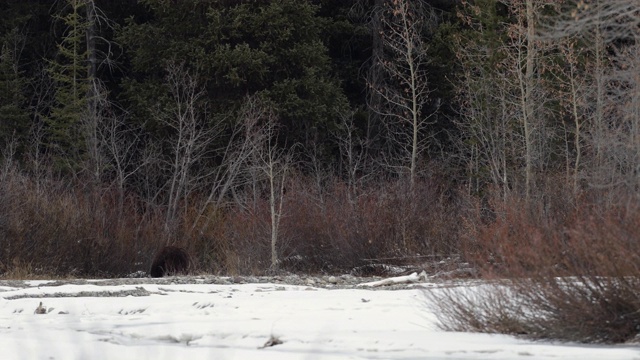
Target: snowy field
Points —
{"points": [[266, 321]]}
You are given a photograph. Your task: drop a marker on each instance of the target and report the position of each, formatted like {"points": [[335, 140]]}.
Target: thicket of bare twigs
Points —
{"points": [[332, 231], [58, 228], [560, 272], [49, 227], [329, 230]]}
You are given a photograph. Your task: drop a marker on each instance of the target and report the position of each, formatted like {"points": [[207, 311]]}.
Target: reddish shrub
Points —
{"points": [[570, 275]]}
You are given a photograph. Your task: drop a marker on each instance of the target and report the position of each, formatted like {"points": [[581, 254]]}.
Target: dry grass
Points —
{"points": [[20, 270]]}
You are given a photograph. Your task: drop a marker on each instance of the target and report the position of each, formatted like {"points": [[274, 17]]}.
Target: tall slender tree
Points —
{"points": [[69, 70], [14, 118], [74, 121], [504, 102], [404, 92]]}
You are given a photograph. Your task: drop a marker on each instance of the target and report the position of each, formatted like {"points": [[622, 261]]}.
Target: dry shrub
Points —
{"points": [[20, 270], [334, 230], [510, 238], [572, 277], [333, 233], [578, 309], [74, 229], [247, 239], [487, 307], [64, 230], [337, 231], [201, 233]]}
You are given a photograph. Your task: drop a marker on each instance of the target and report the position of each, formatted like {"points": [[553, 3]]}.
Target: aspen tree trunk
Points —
{"points": [[92, 116], [375, 75], [404, 89], [528, 101]]}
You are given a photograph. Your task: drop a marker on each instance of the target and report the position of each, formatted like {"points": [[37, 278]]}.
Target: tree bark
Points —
{"points": [[528, 101]]}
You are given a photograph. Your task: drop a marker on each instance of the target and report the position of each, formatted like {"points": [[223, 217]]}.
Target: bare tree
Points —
{"points": [[614, 19], [42, 89], [621, 148], [487, 126], [405, 88], [612, 30], [573, 87], [355, 162], [99, 107], [91, 120], [491, 141], [119, 143], [503, 98], [233, 170], [189, 143], [271, 162], [527, 83], [527, 53], [374, 73]]}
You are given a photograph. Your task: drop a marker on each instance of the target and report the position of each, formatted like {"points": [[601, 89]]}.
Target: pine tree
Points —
{"points": [[14, 117], [70, 71], [270, 48]]}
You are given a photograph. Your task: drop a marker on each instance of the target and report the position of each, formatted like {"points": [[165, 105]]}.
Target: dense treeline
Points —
{"points": [[316, 135]]}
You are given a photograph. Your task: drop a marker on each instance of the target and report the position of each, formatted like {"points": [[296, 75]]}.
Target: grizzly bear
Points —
{"points": [[171, 260]]}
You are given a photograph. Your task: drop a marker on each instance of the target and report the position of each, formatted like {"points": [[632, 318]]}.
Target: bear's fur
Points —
{"points": [[171, 260]]}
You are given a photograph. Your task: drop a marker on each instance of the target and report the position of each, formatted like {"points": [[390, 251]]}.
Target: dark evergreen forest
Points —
{"points": [[319, 135]]}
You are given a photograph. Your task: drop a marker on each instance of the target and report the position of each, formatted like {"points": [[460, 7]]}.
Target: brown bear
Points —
{"points": [[171, 260]]}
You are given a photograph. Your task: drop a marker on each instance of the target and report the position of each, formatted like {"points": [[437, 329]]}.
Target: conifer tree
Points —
{"points": [[14, 118], [269, 48], [71, 72]]}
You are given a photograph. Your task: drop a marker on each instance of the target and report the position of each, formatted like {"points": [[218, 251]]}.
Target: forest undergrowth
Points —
{"points": [[60, 228]]}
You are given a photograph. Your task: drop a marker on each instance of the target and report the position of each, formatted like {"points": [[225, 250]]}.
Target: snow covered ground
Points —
{"points": [[156, 321]]}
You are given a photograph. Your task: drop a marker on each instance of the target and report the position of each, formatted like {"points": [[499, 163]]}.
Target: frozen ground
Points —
{"points": [[173, 320]]}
